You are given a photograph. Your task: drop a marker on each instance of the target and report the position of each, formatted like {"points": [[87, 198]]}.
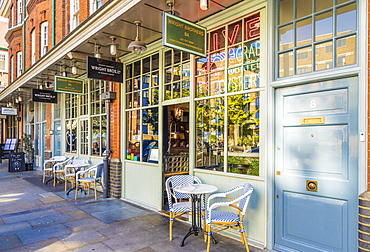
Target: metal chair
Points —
{"points": [[179, 207], [222, 220], [71, 169], [59, 169], [48, 166], [88, 178]]}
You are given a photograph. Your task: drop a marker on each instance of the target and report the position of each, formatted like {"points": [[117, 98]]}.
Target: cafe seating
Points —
{"points": [[181, 204], [90, 177], [59, 169], [226, 219], [71, 168], [48, 166]]}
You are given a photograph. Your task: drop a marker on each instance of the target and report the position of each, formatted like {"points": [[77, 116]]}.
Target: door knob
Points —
{"points": [[312, 185]]}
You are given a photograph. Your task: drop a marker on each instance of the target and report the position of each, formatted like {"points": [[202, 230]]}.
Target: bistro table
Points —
{"points": [[196, 191], [76, 167]]}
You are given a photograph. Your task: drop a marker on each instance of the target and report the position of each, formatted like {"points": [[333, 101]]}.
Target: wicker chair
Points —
{"points": [[59, 170], [71, 168], [222, 220], [89, 178], [48, 166], [179, 207]]}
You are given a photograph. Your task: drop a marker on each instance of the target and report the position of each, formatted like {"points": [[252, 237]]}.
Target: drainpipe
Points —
{"points": [[52, 23], [108, 97], [24, 37]]}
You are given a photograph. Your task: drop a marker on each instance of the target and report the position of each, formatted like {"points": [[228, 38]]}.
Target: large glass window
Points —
{"points": [[177, 74], [19, 11], [142, 97], [315, 35], [71, 123], [227, 103]]}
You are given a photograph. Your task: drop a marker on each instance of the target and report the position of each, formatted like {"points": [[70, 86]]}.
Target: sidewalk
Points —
{"points": [[39, 217]]}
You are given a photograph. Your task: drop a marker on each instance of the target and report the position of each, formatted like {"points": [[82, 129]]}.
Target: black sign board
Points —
{"points": [[16, 162], [102, 69], [40, 95]]}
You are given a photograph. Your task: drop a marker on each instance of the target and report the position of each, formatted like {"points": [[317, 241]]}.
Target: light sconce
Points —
{"points": [[203, 4], [112, 46], [137, 46], [74, 68], [178, 113], [16, 100], [19, 98]]}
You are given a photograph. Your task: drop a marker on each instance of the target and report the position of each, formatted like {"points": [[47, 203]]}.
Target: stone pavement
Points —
{"points": [[39, 217]]}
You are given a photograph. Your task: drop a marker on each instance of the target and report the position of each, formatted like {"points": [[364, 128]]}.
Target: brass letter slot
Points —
{"points": [[312, 185], [313, 120]]}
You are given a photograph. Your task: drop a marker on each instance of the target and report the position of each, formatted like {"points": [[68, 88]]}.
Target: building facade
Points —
{"points": [[278, 101]]}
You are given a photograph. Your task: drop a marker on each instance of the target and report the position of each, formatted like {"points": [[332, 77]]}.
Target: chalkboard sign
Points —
{"points": [[16, 162]]}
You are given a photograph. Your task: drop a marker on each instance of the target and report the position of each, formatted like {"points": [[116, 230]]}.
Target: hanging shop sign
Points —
{"points": [[102, 69], [183, 35], [68, 85], [9, 111], [47, 96]]}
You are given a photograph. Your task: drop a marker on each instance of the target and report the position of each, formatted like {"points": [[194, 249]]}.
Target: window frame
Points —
{"points": [[74, 14], [19, 63], [44, 38]]}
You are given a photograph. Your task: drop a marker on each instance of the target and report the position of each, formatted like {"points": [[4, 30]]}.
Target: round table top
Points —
{"points": [[196, 188]]}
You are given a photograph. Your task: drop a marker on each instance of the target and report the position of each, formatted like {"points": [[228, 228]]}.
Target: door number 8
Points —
{"points": [[313, 103]]}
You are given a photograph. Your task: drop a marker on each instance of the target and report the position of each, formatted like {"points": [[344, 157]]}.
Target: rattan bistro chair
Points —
{"points": [[225, 219], [77, 164], [48, 166], [59, 169], [182, 204], [89, 178]]}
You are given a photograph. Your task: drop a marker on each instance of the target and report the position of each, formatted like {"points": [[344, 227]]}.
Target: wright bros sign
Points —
{"points": [[106, 70], [181, 34]]}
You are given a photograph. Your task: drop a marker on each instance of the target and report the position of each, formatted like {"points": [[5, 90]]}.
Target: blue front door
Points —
{"points": [[316, 168]]}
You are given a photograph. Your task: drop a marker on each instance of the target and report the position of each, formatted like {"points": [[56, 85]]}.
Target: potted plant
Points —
{"points": [[28, 150]]}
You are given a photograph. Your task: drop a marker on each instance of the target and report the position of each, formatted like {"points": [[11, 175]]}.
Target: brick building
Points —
{"points": [[276, 99]]}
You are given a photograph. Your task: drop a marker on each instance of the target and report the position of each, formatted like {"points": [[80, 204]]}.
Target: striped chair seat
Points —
{"points": [[221, 216], [181, 207]]}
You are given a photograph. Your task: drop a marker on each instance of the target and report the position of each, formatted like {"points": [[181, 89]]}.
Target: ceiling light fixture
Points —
{"points": [[74, 68], [203, 4], [137, 46], [112, 46], [97, 54]]}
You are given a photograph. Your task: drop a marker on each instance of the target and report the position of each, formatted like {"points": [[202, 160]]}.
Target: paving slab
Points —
{"points": [[98, 247], [9, 241], [42, 234], [14, 227], [82, 224], [83, 238]]}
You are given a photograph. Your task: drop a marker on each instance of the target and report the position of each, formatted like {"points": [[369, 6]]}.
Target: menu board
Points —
{"points": [[16, 162]]}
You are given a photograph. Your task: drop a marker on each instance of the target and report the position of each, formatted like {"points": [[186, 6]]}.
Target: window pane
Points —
{"points": [[96, 136], [146, 65], [324, 26], [150, 132], [217, 61], [304, 60], [346, 19], [202, 86], [286, 37], [323, 5], [217, 85], [186, 88], [235, 79], [133, 135], [155, 62], [324, 56], [304, 32], [235, 56], [84, 137], [346, 51], [243, 133], [251, 64], [202, 66], [304, 7], [235, 33], [217, 39], [210, 133], [286, 64], [285, 11]]}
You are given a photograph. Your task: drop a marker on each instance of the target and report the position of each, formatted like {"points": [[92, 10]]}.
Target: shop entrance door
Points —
{"points": [[316, 167]]}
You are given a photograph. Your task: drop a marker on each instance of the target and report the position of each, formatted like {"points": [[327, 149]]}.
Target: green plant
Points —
{"points": [[28, 148]]}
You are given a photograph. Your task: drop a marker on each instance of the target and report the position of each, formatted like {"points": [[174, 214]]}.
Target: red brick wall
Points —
{"points": [[116, 122], [15, 45]]}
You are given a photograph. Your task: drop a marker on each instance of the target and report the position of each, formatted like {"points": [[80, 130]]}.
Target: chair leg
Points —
{"points": [[76, 191], [55, 179], [65, 185], [171, 222], [95, 192], [244, 237], [208, 228]]}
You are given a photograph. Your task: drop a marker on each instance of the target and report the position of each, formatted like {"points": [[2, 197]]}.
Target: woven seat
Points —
{"points": [[179, 207], [48, 166], [220, 220], [89, 178]]}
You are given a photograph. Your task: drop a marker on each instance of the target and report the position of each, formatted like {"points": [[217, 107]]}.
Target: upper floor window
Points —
{"points": [[75, 12], [19, 11], [95, 5], [19, 64], [327, 32], [44, 38], [11, 19], [33, 46], [3, 62], [11, 69]]}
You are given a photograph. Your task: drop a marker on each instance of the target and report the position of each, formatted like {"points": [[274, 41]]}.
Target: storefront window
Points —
{"points": [[71, 123], [84, 137], [227, 103], [304, 49], [99, 135], [142, 97], [177, 74]]}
